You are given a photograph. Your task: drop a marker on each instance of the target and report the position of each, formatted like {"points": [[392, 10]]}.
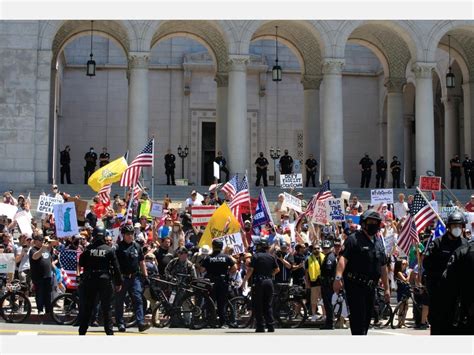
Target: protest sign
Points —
{"points": [[353, 218], [345, 195], [381, 196], [389, 242], [8, 210], [156, 209], [115, 233], [292, 202], [81, 207], [46, 203], [233, 240], [430, 183], [291, 181], [216, 170], [65, 219], [7, 263], [335, 210], [444, 212], [470, 219], [175, 205], [202, 214], [319, 215], [245, 208], [23, 219]]}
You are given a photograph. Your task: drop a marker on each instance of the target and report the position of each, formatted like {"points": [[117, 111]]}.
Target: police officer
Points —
{"points": [[366, 169], [458, 310], [222, 165], [468, 165], [286, 163], [362, 263], [434, 263], [217, 267], [131, 261], [100, 267], [170, 159], [263, 266], [381, 168], [328, 273], [455, 169], [396, 168], [104, 157], [311, 168], [91, 160], [262, 165], [65, 161]]}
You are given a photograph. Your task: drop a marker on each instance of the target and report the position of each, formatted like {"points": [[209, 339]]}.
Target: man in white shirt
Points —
{"points": [[192, 201], [400, 208]]}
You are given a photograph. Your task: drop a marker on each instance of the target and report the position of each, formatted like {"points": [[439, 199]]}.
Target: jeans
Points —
{"points": [[134, 288], [43, 290]]}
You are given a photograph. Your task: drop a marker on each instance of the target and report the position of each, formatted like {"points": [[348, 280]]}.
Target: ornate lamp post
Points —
{"points": [[450, 78], [183, 153], [91, 62], [274, 154]]}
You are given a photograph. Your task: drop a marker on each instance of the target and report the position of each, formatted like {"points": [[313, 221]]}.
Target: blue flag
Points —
{"points": [[439, 230], [262, 214]]}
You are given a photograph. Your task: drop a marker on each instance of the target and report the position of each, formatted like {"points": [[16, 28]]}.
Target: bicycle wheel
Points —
{"points": [[399, 315], [386, 314], [65, 309], [291, 314], [239, 312], [197, 311], [160, 317], [15, 307]]}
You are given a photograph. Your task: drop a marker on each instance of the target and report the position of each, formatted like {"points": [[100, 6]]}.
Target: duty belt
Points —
{"points": [[129, 276], [261, 277], [361, 279]]}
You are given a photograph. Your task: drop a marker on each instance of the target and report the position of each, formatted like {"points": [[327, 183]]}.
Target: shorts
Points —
{"points": [[315, 294]]}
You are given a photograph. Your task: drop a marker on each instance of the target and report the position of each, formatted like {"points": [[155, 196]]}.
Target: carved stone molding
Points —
{"points": [[395, 85], [138, 60], [333, 65], [423, 70], [311, 82], [222, 80], [451, 100], [238, 62]]}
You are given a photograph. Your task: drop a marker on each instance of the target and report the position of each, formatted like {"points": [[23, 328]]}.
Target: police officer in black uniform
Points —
{"points": [[468, 165], [104, 157], [366, 169], [381, 168], [65, 161], [458, 288], [396, 168], [222, 165], [91, 160], [434, 263], [362, 263], [311, 168], [328, 273], [455, 169], [263, 267], [100, 268], [131, 261], [262, 165], [286, 163], [217, 267], [170, 165]]}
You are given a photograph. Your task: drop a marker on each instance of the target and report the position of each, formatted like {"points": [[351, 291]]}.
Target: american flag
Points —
{"points": [[242, 193], [145, 158], [128, 218], [408, 235], [137, 190], [104, 193], [423, 212], [230, 188], [68, 260], [323, 195]]}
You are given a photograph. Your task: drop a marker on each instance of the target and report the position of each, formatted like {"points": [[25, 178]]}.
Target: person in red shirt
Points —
{"points": [[99, 207], [470, 205]]}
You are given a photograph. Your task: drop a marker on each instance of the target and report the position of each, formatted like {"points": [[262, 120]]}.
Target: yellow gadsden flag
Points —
{"points": [[108, 174], [221, 223]]}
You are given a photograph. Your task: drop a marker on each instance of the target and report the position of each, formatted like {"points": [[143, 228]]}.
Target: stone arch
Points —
{"points": [[439, 30], [377, 51]]}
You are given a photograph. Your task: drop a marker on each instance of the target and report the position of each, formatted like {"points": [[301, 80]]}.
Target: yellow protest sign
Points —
{"points": [[221, 223], [108, 174]]}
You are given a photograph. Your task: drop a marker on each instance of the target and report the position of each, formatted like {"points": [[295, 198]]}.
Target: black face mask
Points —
{"points": [[372, 229], [261, 155], [247, 229]]}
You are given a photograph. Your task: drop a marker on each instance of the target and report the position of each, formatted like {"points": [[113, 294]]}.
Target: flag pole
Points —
{"points": [[153, 170], [125, 187], [429, 204]]}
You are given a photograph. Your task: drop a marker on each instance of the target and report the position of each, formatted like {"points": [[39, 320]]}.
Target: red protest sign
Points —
{"points": [[244, 208], [430, 183]]}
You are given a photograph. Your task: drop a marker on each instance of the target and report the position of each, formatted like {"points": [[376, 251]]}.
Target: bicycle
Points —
{"points": [[382, 310], [399, 314], [15, 307], [288, 306]]}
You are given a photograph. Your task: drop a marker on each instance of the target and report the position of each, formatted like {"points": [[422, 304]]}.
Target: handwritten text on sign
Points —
{"points": [[46, 203], [430, 183], [293, 202], [381, 196], [290, 181], [319, 215], [335, 210], [235, 241]]}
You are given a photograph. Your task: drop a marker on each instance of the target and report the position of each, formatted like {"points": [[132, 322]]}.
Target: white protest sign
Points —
{"points": [[319, 215], [291, 181], [389, 242], [444, 212], [199, 198], [175, 205], [115, 233], [335, 210], [66, 220], [292, 202], [8, 210], [46, 203], [381, 196], [156, 209], [23, 219], [346, 195], [470, 219], [435, 205], [7, 263], [216, 170], [233, 240]]}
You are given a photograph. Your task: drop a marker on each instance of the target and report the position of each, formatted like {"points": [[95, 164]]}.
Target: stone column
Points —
{"points": [[333, 136], [424, 116], [407, 158], [311, 124], [451, 131], [222, 81], [395, 122], [238, 139], [137, 103], [468, 98]]}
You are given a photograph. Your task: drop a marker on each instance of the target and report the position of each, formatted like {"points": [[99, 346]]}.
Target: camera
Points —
{"points": [[279, 253]]}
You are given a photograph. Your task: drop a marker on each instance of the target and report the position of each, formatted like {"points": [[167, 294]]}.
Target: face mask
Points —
{"points": [[261, 155], [92, 150], [456, 232], [372, 229]]}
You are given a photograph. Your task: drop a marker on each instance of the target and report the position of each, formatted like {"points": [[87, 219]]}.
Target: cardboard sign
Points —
{"points": [[156, 209], [319, 215], [430, 183], [81, 207], [7, 263], [292, 202], [381, 196], [65, 219], [202, 215], [389, 242], [335, 210], [8, 210], [216, 170], [23, 219], [175, 205], [346, 195], [235, 241], [291, 181], [46, 203]]}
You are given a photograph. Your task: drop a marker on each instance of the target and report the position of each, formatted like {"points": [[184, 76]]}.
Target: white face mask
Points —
{"points": [[456, 232]]}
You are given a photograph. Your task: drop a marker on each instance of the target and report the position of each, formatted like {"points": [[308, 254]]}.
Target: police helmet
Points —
{"points": [[327, 244], [456, 218], [99, 232], [263, 244], [372, 214], [217, 244], [128, 228]]}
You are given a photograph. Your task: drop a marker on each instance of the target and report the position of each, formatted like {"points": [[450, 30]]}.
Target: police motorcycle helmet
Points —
{"points": [[327, 244], [99, 232], [456, 218], [128, 229], [217, 244]]}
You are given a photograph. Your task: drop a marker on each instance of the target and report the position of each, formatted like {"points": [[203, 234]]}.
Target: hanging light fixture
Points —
{"points": [[450, 78], [91, 62], [276, 70]]}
